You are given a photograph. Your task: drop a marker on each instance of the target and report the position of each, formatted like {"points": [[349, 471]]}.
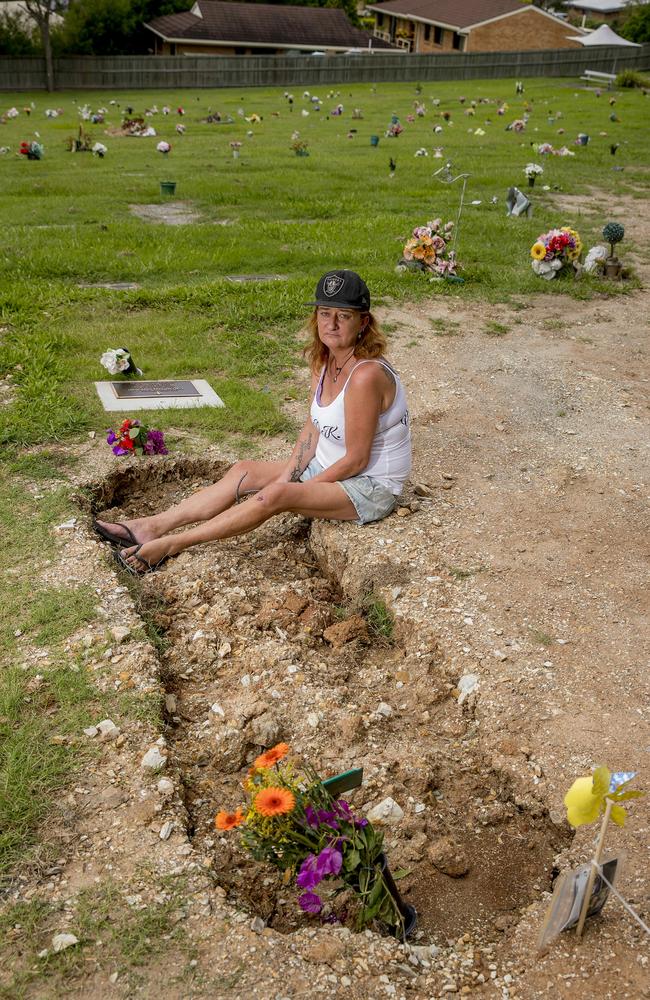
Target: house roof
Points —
{"points": [[263, 24], [454, 13], [598, 6]]}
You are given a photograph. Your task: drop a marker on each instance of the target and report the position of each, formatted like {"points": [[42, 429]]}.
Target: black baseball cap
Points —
{"points": [[344, 289]]}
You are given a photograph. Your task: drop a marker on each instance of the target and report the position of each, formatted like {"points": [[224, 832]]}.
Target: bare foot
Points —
{"points": [[149, 552], [139, 528]]}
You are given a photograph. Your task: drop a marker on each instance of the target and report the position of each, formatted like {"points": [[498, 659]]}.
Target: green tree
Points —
{"points": [[112, 27], [42, 12], [636, 27], [16, 36]]}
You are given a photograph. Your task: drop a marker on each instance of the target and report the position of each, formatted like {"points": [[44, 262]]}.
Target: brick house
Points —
{"points": [[216, 27], [603, 11], [429, 26]]}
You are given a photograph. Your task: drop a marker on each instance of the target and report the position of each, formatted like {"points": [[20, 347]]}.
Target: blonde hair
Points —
{"points": [[372, 343]]}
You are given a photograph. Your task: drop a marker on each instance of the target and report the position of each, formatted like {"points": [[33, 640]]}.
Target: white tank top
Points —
{"points": [[390, 454]]}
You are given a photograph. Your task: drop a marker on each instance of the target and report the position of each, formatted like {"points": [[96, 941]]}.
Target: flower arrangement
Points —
{"points": [[299, 146], [32, 150], [118, 361], [533, 170], [99, 149], [547, 148], [132, 438], [180, 129], [428, 249], [163, 147], [293, 823], [235, 145], [394, 129], [552, 250], [421, 151]]}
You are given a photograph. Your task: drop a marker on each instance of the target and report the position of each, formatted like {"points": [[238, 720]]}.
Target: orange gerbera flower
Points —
{"points": [[274, 801], [272, 756], [228, 821]]}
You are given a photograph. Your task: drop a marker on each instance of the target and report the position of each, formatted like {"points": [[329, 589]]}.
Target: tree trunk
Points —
{"points": [[47, 46]]}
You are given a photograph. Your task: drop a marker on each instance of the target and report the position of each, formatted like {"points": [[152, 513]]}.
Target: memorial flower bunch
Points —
{"points": [[118, 361], [133, 438], [533, 170], [428, 247], [292, 822], [553, 250]]}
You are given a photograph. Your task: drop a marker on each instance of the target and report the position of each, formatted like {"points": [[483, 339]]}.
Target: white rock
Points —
{"points": [[419, 807], [120, 633], [387, 811], [107, 729], [257, 925], [224, 648], [165, 786], [245, 681], [62, 941], [67, 525], [466, 685], [218, 710], [91, 731], [312, 719], [166, 830], [384, 709], [153, 760]]}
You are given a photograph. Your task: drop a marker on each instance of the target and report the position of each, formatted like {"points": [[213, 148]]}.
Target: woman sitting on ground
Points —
{"points": [[349, 462]]}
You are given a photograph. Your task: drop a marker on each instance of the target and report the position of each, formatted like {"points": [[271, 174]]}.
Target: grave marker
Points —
{"points": [[164, 394]]}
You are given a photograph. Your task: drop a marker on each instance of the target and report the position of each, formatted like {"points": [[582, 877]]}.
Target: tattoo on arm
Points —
{"points": [[301, 465]]}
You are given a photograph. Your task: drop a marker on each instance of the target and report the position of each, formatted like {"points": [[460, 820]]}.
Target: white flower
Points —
{"points": [[437, 129], [12, 113], [595, 259], [479, 131], [421, 152], [115, 360], [99, 149], [163, 147], [533, 170], [180, 129]]}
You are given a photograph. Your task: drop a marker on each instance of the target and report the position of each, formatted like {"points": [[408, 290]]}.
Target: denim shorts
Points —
{"points": [[371, 500]]}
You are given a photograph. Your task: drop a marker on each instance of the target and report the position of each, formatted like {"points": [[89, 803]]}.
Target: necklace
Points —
{"points": [[339, 368]]}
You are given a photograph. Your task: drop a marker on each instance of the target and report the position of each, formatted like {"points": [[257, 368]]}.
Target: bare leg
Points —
{"points": [[203, 505], [323, 500]]}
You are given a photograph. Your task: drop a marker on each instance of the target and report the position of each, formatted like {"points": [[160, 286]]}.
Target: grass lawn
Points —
{"points": [[67, 222]]}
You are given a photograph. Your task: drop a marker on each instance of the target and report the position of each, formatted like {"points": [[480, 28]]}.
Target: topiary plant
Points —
{"points": [[613, 232]]}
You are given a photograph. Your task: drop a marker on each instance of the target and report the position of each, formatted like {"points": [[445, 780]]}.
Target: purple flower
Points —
{"points": [[316, 818], [329, 861], [119, 450], [111, 437], [310, 902], [155, 443], [309, 875]]}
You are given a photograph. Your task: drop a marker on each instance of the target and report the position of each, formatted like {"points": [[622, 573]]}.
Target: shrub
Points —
{"points": [[630, 78]]}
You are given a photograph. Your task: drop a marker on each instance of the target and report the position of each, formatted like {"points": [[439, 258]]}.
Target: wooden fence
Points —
{"points": [[184, 72]]}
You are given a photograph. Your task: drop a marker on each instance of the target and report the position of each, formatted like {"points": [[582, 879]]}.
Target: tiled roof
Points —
{"points": [[264, 24], [455, 13]]}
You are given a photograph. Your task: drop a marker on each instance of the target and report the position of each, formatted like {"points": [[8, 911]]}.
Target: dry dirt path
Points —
{"points": [[526, 567]]}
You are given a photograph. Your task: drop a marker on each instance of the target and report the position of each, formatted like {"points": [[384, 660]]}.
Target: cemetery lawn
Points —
{"points": [[68, 226]]}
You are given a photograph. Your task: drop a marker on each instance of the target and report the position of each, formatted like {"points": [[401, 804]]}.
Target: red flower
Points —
{"points": [[127, 443]]}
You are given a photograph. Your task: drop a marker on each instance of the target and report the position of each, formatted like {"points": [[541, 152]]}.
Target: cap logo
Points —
{"points": [[333, 284]]}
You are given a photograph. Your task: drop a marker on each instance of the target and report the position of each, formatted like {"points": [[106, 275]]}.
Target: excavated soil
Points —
{"points": [[247, 665]]}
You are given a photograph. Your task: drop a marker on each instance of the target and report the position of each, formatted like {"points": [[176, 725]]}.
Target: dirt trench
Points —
{"points": [[261, 640]]}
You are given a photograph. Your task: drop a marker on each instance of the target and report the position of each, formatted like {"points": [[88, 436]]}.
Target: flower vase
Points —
{"points": [[235, 154], [531, 181], [374, 140], [613, 267], [407, 912]]}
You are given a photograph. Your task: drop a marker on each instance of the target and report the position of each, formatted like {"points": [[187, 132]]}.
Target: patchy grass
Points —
{"points": [[494, 329], [381, 624], [541, 638], [444, 327]]}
